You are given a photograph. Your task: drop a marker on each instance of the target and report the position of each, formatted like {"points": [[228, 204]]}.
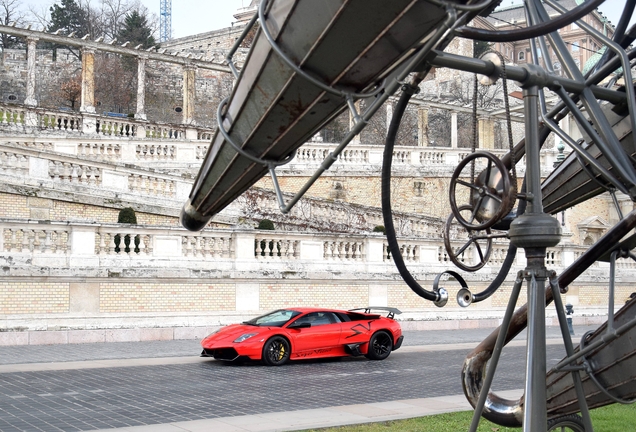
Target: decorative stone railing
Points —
{"points": [[26, 165], [23, 119], [129, 140], [88, 248], [333, 216]]}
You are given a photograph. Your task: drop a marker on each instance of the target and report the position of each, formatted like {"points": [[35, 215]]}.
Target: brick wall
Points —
{"points": [[33, 297], [13, 206], [330, 295], [25, 207], [125, 297]]}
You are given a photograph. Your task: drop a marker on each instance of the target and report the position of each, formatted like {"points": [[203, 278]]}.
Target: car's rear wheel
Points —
{"points": [[276, 351], [380, 346]]}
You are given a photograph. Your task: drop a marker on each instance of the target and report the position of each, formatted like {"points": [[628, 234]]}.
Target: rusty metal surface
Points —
{"points": [[350, 44], [613, 363], [569, 184]]}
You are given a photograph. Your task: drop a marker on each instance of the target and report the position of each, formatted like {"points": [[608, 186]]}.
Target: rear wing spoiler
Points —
{"points": [[391, 311]]}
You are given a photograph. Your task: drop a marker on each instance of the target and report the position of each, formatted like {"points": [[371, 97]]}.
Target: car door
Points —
{"points": [[320, 339], [358, 330]]}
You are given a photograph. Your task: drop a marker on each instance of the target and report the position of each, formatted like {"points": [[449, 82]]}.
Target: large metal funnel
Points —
{"points": [[349, 45], [613, 365], [572, 183]]}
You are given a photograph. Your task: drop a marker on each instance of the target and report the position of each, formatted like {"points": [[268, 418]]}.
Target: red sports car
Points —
{"points": [[307, 333]]}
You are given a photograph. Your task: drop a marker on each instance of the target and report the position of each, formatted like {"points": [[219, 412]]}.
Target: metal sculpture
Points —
{"points": [[310, 61]]}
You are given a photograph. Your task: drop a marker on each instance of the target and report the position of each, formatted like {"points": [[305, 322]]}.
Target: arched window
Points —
{"points": [[575, 47], [522, 55]]}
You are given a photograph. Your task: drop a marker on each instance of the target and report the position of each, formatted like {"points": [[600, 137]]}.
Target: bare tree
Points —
{"points": [[487, 96], [11, 13]]}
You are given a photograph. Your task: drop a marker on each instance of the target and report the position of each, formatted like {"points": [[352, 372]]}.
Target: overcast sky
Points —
{"points": [[197, 16], [188, 16]]}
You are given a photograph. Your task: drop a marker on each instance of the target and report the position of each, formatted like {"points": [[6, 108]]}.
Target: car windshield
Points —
{"points": [[278, 318]]}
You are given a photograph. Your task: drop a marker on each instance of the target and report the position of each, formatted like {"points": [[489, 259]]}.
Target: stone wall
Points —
{"points": [[28, 207]]}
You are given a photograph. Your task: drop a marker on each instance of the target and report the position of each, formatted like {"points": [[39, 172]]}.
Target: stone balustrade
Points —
{"points": [[32, 165], [94, 247], [25, 119], [129, 140], [27, 165], [85, 280]]}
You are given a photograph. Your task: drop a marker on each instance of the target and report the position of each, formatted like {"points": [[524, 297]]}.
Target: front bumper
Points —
{"points": [[224, 354]]}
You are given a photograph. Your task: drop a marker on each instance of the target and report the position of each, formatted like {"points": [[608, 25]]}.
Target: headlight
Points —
{"points": [[244, 337], [214, 332]]}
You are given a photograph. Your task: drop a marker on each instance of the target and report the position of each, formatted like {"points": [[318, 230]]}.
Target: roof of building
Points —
{"points": [[515, 13]]}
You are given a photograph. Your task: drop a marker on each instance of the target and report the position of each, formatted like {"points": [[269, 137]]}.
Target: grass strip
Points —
{"points": [[611, 418]]}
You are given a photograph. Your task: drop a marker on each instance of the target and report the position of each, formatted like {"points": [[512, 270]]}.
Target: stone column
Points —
{"points": [[389, 115], [486, 133], [189, 76], [453, 130], [141, 87], [30, 100], [88, 81], [422, 127], [30, 117]]}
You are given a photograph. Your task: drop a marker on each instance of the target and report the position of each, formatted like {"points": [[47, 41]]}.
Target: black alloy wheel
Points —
{"points": [[380, 346], [276, 351]]}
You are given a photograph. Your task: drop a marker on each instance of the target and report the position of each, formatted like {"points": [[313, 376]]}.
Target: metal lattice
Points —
{"points": [[165, 20]]}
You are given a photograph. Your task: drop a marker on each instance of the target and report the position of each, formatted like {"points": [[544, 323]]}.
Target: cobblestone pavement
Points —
{"points": [[86, 399], [109, 397], [176, 348]]}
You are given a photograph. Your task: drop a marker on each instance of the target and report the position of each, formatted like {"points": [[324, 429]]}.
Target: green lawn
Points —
{"points": [[612, 418]]}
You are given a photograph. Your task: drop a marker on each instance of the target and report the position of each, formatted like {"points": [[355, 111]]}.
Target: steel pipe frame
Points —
{"points": [[531, 78]]}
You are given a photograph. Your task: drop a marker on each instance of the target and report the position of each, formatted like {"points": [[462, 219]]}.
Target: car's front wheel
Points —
{"points": [[380, 346], [276, 351]]}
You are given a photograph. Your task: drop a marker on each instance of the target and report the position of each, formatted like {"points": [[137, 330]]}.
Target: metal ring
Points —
{"points": [[299, 71], [267, 163]]}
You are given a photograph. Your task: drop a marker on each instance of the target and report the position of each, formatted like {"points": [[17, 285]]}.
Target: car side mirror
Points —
{"points": [[300, 325]]}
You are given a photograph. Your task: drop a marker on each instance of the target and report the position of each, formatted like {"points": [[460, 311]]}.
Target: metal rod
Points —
{"points": [[569, 351], [535, 415], [518, 73], [610, 301], [533, 162], [494, 360]]}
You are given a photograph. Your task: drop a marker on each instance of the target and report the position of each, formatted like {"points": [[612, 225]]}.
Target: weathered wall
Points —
{"points": [[28, 207]]}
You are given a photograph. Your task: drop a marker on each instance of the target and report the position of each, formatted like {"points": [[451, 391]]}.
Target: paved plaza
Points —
{"points": [[165, 386]]}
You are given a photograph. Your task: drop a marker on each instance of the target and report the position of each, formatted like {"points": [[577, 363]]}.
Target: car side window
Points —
{"points": [[318, 318]]}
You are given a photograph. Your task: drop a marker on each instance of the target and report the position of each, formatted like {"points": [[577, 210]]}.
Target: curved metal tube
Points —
{"points": [[464, 7], [529, 32], [439, 297]]}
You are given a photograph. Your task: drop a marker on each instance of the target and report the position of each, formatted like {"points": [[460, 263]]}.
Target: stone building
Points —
{"points": [[66, 175], [582, 46]]}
